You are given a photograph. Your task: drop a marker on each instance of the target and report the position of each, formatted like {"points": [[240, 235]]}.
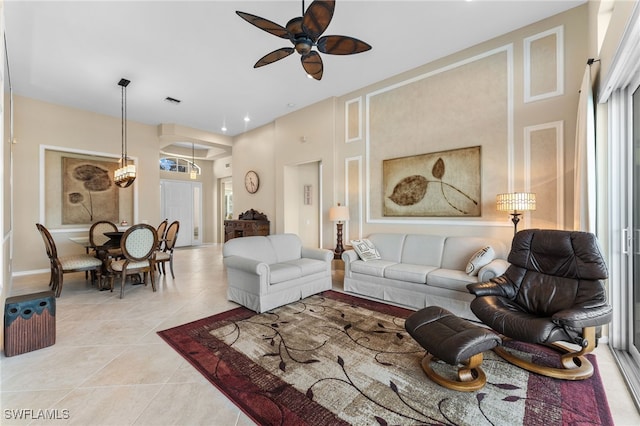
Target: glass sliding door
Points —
{"points": [[634, 274]]}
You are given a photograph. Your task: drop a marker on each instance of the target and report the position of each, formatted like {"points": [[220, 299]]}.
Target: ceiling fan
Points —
{"points": [[304, 32]]}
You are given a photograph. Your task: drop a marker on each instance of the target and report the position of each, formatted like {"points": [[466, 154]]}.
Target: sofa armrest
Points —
{"points": [[247, 265], [493, 269], [317, 253], [349, 256]]}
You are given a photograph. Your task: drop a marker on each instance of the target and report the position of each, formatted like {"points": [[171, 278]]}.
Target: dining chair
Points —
{"points": [[98, 239], [166, 254], [161, 231], [138, 246], [97, 230], [61, 265]]}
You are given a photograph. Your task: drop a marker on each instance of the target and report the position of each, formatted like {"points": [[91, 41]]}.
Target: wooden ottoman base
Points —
{"points": [[471, 377], [455, 341]]}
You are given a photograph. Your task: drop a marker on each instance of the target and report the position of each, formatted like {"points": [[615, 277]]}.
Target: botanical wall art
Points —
{"points": [[445, 183], [88, 191]]}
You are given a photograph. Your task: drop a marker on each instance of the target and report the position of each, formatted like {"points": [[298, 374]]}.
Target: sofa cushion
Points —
{"points": [[423, 249], [389, 245], [450, 279], [372, 267], [308, 266], [458, 250], [365, 249], [255, 248], [286, 246], [283, 272], [408, 272], [482, 257]]}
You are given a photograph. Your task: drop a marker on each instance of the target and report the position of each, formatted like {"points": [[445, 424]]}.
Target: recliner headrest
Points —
{"points": [[569, 254]]}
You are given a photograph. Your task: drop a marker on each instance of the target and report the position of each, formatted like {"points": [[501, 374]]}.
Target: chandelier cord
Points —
{"points": [[124, 126]]}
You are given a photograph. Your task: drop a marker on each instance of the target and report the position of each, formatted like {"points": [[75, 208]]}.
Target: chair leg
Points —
{"points": [[58, 284], [124, 278], [171, 267], [153, 281]]}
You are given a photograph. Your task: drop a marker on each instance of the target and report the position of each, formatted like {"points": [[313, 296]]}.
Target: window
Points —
{"points": [[178, 165]]}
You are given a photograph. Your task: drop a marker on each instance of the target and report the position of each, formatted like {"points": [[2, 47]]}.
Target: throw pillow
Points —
{"points": [[479, 259], [365, 249]]}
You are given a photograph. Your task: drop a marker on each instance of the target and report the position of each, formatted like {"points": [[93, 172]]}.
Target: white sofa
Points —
{"points": [[416, 270], [264, 272]]}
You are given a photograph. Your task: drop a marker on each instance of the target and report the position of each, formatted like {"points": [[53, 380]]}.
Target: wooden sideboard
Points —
{"points": [[249, 223]]}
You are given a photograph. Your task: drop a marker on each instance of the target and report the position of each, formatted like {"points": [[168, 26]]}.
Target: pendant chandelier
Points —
{"points": [[126, 174]]}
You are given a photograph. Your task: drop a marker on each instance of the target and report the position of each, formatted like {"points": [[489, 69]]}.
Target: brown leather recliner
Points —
{"points": [[551, 293]]}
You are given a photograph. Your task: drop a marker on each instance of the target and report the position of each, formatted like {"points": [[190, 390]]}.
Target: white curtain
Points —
{"points": [[584, 201]]}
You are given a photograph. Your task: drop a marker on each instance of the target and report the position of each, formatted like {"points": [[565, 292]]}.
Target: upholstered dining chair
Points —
{"points": [[551, 294], [97, 230], [98, 239], [166, 254], [138, 246], [63, 264], [161, 232]]}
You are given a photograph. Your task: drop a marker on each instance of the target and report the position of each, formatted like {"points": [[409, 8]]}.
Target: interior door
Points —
{"points": [[182, 201]]}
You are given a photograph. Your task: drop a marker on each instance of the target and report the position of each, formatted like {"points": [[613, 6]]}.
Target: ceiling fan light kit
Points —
{"points": [[304, 32]]}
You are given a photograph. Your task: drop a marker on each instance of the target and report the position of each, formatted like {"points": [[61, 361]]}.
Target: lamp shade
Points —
{"points": [[516, 201], [338, 213]]}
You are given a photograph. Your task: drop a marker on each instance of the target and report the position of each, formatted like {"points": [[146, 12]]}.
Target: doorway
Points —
{"points": [[226, 205], [303, 202], [182, 201]]}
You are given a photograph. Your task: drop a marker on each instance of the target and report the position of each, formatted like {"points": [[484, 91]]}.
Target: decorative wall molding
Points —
{"points": [[544, 173], [504, 179], [353, 120], [353, 197], [45, 185], [544, 65]]}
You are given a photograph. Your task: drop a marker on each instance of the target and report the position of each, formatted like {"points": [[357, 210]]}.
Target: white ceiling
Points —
{"points": [[74, 53]]}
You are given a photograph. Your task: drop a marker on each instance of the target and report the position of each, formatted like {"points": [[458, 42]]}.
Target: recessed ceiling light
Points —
{"points": [[247, 119], [223, 128], [291, 105]]}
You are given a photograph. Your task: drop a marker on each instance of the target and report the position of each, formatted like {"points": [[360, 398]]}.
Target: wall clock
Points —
{"points": [[251, 182]]}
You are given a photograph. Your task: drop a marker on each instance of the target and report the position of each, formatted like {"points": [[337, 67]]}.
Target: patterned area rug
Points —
{"points": [[335, 359]]}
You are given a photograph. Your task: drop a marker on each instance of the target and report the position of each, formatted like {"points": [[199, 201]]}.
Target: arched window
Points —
{"points": [[178, 165]]}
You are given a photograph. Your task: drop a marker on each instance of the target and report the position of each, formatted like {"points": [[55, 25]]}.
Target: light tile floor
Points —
{"points": [[109, 367]]}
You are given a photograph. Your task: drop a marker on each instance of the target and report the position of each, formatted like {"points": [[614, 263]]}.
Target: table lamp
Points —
{"points": [[339, 214], [516, 202]]}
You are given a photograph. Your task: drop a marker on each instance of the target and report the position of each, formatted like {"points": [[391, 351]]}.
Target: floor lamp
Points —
{"points": [[516, 202], [339, 214]]}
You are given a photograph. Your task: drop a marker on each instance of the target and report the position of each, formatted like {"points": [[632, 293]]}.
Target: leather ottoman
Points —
{"points": [[455, 341]]}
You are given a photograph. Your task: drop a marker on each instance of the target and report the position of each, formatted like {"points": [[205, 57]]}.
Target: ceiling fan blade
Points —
{"points": [[342, 45], [317, 18], [276, 55], [265, 25], [312, 64]]}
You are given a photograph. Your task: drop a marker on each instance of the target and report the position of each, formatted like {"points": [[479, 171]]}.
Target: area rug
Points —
{"points": [[335, 359]]}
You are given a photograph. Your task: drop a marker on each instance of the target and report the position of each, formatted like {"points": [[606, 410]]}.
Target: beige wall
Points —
{"points": [[269, 150], [535, 137], [40, 124]]}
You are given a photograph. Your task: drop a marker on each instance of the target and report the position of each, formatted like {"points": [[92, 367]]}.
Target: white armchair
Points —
{"points": [[264, 272]]}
